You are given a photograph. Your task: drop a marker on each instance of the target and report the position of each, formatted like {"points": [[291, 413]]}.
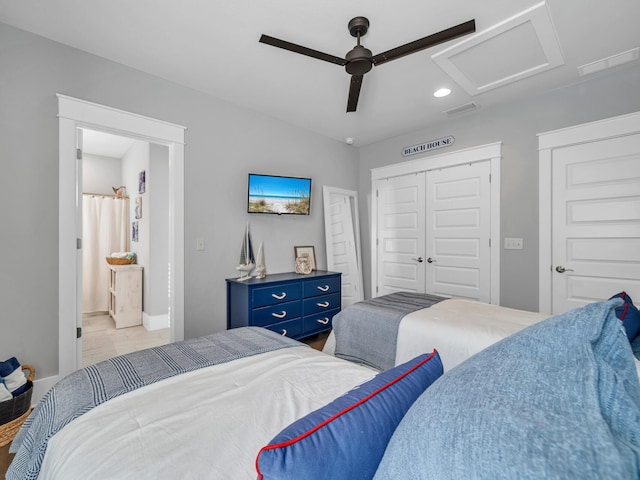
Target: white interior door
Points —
{"points": [[343, 241], [595, 221], [400, 238], [458, 229]]}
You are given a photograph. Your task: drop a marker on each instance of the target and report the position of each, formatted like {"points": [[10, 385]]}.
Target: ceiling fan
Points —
{"points": [[359, 60]]}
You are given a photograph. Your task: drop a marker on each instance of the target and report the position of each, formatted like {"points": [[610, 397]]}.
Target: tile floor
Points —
{"points": [[101, 339]]}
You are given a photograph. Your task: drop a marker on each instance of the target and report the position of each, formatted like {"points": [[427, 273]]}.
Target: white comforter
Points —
{"points": [[209, 423], [457, 328]]}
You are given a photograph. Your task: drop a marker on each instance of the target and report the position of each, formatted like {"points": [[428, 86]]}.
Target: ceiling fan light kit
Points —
{"points": [[359, 60]]}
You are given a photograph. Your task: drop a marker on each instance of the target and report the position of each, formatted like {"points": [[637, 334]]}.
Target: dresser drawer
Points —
{"points": [[320, 304], [319, 321], [275, 313], [322, 286], [278, 294], [292, 328]]}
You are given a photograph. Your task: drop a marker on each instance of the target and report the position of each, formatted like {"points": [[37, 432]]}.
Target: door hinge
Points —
{"points": [[78, 244], [376, 193], [489, 243], [78, 153], [78, 332], [376, 289]]}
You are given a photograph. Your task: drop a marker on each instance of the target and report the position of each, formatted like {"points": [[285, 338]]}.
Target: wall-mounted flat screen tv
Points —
{"points": [[279, 195]]}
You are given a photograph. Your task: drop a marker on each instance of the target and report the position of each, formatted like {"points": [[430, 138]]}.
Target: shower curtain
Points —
{"points": [[105, 229]]}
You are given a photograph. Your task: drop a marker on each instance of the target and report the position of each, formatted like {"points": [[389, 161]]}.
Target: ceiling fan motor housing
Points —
{"points": [[358, 60]]}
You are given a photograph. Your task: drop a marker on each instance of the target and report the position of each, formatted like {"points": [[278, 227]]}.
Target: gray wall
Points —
{"points": [[224, 143], [155, 212], [516, 125]]}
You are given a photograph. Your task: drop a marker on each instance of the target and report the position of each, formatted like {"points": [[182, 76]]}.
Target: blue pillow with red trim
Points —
{"points": [[346, 439], [628, 315]]}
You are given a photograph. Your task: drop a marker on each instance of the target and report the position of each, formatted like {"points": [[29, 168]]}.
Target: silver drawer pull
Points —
{"points": [[279, 297], [323, 321], [323, 304], [284, 332], [280, 315], [323, 289]]}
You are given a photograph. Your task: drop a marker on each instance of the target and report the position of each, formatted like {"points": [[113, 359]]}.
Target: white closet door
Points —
{"points": [[400, 234], [595, 221], [458, 214]]}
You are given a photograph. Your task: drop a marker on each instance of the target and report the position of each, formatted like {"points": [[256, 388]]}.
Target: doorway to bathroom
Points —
{"points": [[124, 208]]}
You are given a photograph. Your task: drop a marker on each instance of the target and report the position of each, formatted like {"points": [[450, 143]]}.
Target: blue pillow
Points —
{"points": [[628, 315], [347, 438], [559, 399]]}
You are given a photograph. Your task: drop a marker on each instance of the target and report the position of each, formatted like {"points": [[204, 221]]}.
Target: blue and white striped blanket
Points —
{"points": [[367, 332], [84, 389]]}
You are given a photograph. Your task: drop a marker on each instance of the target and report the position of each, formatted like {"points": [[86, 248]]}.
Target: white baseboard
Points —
{"points": [[155, 322], [42, 386]]}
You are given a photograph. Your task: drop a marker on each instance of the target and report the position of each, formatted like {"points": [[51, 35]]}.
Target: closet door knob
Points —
{"points": [[430, 260], [419, 259], [561, 269]]}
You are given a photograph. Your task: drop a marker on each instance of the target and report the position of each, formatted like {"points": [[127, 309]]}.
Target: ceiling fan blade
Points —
{"points": [[426, 42], [292, 47], [354, 92]]}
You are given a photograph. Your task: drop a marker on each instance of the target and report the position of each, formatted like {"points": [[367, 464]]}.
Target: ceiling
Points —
{"points": [[105, 144], [520, 48]]}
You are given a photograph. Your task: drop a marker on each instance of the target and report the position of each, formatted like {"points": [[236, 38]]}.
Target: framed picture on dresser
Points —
{"points": [[307, 252]]}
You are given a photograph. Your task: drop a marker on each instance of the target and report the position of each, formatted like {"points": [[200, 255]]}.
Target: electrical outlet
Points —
{"points": [[513, 243], [200, 243]]}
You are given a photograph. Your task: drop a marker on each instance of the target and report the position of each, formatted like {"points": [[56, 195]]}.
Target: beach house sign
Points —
{"points": [[426, 146]]}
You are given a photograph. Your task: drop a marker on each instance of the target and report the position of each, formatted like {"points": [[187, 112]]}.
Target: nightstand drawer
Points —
{"points": [[272, 295], [292, 328], [321, 304], [321, 287], [275, 313]]}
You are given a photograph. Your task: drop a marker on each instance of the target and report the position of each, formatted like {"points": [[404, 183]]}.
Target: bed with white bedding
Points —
{"points": [[458, 328], [557, 399]]}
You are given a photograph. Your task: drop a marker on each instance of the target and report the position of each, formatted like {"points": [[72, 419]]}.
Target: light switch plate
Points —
{"points": [[513, 243], [200, 243]]}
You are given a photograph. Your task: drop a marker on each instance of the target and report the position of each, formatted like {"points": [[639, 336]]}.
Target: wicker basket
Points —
{"points": [[14, 412], [120, 261], [9, 430]]}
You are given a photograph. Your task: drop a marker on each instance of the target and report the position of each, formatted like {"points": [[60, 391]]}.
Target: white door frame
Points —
{"points": [[74, 114], [588, 132], [491, 152]]}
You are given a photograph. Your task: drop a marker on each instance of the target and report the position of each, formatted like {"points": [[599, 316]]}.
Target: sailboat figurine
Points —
{"points": [[247, 262], [261, 269]]}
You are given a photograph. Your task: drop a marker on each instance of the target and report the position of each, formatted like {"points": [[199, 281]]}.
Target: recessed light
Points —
{"points": [[442, 92]]}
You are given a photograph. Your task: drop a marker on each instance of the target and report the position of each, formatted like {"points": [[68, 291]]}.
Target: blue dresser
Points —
{"points": [[288, 303]]}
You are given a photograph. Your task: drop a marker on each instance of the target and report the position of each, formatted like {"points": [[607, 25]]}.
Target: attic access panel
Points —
{"points": [[519, 47]]}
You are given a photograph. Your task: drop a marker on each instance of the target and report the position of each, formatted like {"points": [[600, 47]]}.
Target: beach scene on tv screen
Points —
{"points": [[281, 195]]}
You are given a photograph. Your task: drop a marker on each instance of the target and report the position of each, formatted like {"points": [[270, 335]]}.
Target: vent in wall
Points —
{"points": [[610, 62], [461, 108]]}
